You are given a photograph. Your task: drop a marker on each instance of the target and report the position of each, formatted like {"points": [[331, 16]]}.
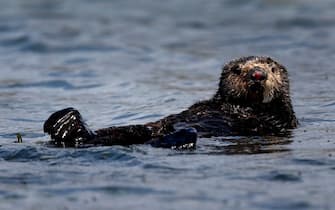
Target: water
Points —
{"points": [[121, 62]]}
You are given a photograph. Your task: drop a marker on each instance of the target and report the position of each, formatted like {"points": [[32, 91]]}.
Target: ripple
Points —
{"points": [[25, 154], [305, 23], [278, 204], [332, 104], [149, 116], [41, 47], [15, 40], [284, 176], [159, 168], [113, 190], [50, 84], [67, 73], [95, 155], [312, 162], [244, 145], [5, 28], [10, 195], [124, 116], [78, 61], [24, 134], [23, 179], [192, 24]]}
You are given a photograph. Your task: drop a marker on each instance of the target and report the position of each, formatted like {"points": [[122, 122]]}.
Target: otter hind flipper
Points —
{"points": [[185, 138], [67, 128]]}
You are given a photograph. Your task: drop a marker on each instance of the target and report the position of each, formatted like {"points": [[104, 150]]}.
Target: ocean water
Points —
{"points": [[123, 62]]}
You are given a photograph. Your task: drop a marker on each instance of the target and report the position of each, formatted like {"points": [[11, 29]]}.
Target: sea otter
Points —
{"points": [[252, 99]]}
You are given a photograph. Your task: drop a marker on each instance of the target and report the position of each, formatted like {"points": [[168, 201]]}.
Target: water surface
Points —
{"points": [[121, 62]]}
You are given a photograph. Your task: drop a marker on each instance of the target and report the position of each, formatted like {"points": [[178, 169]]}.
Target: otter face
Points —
{"points": [[253, 80]]}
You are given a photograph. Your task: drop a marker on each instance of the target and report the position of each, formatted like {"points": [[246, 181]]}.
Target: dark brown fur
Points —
{"points": [[241, 106], [232, 112]]}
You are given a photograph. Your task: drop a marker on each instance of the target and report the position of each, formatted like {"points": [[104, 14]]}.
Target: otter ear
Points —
{"points": [[231, 67], [282, 68], [236, 69], [270, 60], [225, 68]]}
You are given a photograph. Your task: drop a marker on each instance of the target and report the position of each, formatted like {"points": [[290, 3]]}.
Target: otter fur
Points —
{"points": [[253, 98]]}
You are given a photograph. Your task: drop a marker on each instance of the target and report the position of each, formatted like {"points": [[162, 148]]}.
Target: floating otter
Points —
{"points": [[252, 99]]}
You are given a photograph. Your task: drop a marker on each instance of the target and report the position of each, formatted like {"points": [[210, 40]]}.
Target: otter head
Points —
{"points": [[253, 80]]}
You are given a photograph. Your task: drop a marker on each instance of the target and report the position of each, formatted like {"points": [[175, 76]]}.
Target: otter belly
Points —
{"points": [[206, 126]]}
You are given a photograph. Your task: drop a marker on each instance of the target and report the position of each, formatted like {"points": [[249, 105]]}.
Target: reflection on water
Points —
{"points": [[249, 145], [121, 62]]}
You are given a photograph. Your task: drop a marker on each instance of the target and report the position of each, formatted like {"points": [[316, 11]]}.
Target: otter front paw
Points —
{"points": [[67, 128], [185, 138]]}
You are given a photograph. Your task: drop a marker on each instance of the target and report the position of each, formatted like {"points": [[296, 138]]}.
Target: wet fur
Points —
{"points": [[235, 109], [231, 112]]}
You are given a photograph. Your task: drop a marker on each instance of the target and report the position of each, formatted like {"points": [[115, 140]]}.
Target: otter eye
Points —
{"points": [[236, 69]]}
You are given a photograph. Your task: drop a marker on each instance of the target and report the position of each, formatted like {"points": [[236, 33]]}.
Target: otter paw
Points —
{"points": [[181, 139], [67, 128]]}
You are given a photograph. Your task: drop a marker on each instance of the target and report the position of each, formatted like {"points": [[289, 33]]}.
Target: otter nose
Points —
{"points": [[257, 74]]}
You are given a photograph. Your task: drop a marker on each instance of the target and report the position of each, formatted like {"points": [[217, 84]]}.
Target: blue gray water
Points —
{"points": [[123, 62]]}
